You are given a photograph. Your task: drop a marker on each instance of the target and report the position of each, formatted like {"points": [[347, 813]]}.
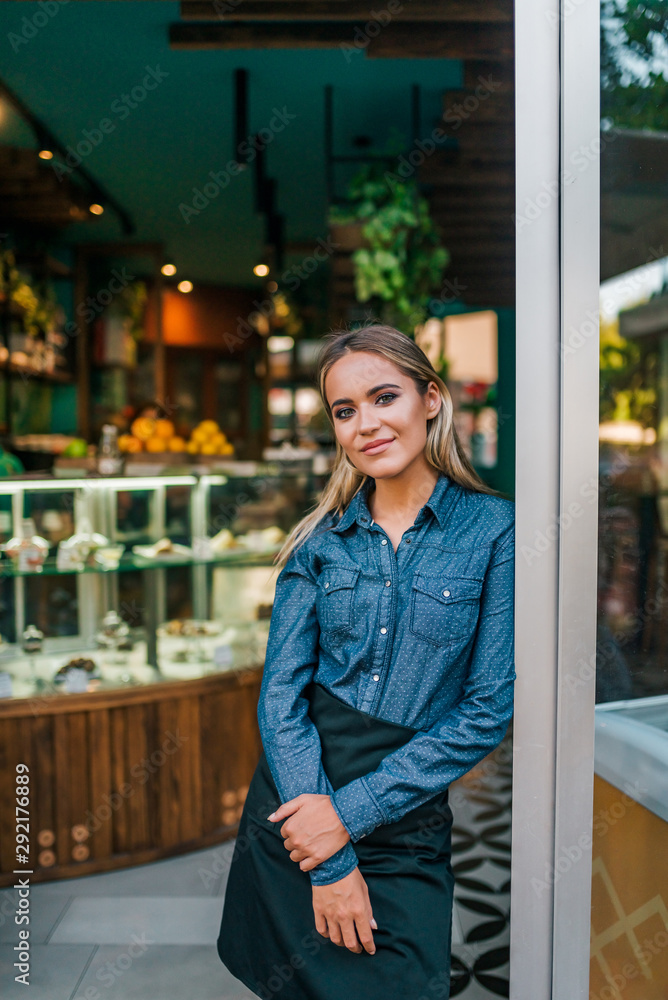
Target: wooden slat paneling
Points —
{"points": [[138, 800], [100, 782]]}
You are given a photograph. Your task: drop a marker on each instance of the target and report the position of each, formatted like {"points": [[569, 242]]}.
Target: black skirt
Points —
{"points": [[267, 936]]}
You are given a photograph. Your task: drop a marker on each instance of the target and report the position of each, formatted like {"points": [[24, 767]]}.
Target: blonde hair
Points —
{"points": [[443, 449]]}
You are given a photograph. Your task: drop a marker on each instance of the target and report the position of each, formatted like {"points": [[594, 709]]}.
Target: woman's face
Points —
{"points": [[379, 417]]}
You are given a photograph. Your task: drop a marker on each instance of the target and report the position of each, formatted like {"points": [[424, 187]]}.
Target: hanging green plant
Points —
{"points": [[40, 311], [402, 261]]}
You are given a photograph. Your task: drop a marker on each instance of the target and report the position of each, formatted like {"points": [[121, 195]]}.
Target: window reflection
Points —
{"points": [[629, 938]]}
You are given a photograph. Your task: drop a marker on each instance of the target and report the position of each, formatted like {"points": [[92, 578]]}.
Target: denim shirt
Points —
{"points": [[423, 636]]}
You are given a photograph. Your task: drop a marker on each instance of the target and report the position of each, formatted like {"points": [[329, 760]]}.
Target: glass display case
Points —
{"points": [[115, 582]]}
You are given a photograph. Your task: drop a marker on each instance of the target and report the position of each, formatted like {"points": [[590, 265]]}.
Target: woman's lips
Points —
{"points": [[381, 446]]}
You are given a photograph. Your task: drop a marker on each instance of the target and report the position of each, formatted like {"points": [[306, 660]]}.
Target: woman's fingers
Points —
{"points": [[321, 924], [349, 935], [365, 935]]}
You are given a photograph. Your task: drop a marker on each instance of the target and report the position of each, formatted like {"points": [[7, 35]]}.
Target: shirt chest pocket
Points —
{"points": [[335, 598], [444, 608]]}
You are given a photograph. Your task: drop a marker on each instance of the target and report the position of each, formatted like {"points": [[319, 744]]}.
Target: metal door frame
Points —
{"points": [[557, 254]]}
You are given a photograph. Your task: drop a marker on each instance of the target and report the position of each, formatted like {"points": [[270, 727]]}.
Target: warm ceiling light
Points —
{"points": [[168, 269], [261, 270], [45, 154], [96, 209], [185, 286]]}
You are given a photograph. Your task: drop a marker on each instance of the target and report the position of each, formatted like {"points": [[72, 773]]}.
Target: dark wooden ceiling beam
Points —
{"points": [[409, 39], [345, 10], [458, 40]]}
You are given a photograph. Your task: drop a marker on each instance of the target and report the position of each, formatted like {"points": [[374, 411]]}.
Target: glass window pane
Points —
{"points": [[629, 944]]}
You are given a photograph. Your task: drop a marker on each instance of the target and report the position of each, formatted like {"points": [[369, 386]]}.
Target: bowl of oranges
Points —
{"points": [[157, 436], [208, 439]]}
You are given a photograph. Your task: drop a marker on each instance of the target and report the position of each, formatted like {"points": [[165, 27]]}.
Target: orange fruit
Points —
{"points": [[176, 444], [143, 428], [133, 445], [164, 429], [156, 444], [208, 448], [192, 447], [209, 427]]}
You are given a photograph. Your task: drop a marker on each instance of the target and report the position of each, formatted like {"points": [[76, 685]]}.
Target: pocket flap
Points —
{"points": [[337, 577], [448, 589]]}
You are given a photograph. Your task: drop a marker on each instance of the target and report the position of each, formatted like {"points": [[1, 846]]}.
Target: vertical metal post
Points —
{"points": [[329, 143], [199, 501], [416, 116], [557, 220], [537, 493], [156, 596], [578, 535], [19, 581]]}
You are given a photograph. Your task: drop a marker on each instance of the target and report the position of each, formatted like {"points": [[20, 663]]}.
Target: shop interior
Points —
{"points": [[191, 195]]}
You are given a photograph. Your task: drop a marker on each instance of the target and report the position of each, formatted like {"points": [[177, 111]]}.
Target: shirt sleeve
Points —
{"points": [[291, 741], [433, 758]]}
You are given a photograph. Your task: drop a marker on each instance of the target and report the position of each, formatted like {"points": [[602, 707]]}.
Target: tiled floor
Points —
{"points": [[149, 932]]}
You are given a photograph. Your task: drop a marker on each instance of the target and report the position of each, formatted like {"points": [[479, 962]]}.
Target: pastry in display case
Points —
{"points": [[148, 578]]}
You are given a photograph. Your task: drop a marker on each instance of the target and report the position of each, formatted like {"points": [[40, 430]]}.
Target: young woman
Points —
{"points": [[389, 673]]}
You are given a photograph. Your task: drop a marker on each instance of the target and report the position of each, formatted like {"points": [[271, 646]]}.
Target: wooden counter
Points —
{"points": [[123, 777]]}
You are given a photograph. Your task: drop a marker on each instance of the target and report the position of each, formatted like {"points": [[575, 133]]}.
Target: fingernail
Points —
{"points": [[374, 924], [271, 816]]}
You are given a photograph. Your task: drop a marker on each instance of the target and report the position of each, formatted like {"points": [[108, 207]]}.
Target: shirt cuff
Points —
{"points": [[335, 868], [357, 809]]}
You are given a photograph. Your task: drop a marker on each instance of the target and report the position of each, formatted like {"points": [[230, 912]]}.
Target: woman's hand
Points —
{"points": [[313, 831], [343, 913]]}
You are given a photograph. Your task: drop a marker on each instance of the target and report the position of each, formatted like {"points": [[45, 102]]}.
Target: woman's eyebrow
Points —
{"points": [[370, 392]]}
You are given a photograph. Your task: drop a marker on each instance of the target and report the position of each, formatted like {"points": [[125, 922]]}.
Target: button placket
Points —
{"points": [[385, 618]]}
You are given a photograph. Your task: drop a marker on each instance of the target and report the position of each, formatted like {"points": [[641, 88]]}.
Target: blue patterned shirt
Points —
{"points": [[423, 636]]}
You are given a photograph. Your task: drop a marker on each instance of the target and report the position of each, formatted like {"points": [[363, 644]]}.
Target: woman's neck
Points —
{"points": [[401, 497]]}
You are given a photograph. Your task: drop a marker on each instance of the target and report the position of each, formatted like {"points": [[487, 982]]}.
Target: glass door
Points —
{"points": [[629, 939]]}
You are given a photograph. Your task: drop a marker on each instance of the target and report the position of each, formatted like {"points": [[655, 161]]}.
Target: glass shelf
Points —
{"points": [[130, 562]]}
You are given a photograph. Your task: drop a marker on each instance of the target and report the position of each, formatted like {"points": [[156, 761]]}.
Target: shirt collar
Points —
{"points": [[439, 503]]}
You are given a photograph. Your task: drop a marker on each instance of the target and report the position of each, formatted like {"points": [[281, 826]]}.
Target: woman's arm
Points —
{"points": [[291, 741], [432, 759]]}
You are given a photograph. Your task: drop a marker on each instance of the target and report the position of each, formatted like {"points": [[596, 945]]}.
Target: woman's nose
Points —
{"points": [[368, 421]]}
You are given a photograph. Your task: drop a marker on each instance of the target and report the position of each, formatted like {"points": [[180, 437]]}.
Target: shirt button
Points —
{"points": [[446, 593], [388, 583], [376, 677], [383, 631], [326, 586], [407, 540], [383, 541]]}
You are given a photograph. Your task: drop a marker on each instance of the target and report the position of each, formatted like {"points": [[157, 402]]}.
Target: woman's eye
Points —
{"points": [[386, 395], [346, 410], [342, 412]]}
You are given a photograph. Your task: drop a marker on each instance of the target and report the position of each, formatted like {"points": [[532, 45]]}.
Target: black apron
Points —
{"points": [[267, 936]]}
